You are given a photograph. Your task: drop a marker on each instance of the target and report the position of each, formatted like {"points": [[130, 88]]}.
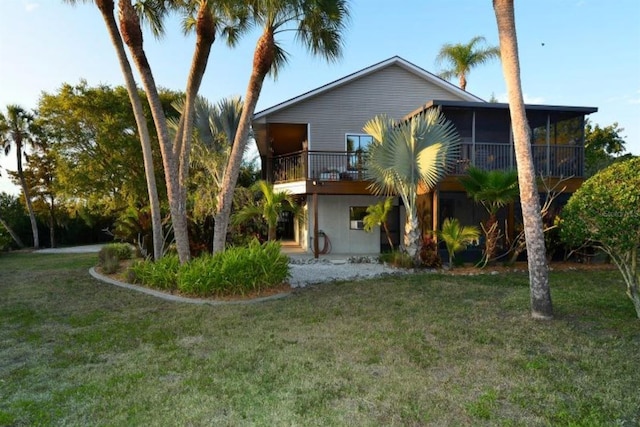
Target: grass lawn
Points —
{"points": [[427, 349]]}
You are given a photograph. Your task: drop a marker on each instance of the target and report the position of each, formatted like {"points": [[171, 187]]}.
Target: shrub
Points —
{"points": [[429, 253], [120, 250], [160, 274], [111, 254], [398, 259], [236, 271], [604, 213]]}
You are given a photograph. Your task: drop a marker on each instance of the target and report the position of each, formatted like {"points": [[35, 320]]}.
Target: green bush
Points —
{"points": [[236, 271], [111, 254], [604, 213], [118, 250], [160, 274]]}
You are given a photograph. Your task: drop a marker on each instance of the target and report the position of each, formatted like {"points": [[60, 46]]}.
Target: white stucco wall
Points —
{"points": [[333, 219]]}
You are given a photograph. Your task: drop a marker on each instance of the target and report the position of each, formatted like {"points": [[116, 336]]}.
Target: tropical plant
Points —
{"points": [[377, 216], [457, 237], [318, 24], [461, 58], [270, 207], [604, 213], [15, 132], [541, 306], [493, 190], [408, 155]]}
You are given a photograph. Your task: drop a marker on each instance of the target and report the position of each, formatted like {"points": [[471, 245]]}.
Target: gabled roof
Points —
{"points": [[396, 60]]}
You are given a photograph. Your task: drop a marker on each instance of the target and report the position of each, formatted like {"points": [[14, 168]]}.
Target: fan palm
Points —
{"points": [[318, 24], [493, 190], [403, 157], [377, 215], [461, 58], [541, 306], [272, 204], [457, 237], [15, 132]]}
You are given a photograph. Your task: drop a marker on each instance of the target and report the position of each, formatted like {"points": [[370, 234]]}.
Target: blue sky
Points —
{"points": [[572, 52]]}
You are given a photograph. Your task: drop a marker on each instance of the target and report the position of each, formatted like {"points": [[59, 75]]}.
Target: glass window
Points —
{"points": [[358, 142], [356, 217]]}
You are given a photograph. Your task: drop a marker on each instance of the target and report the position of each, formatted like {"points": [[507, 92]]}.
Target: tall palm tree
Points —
{"points": [[15, 132], [461, 58], [377, 215], [132, 35], [493, 189], [541, 306], [272, 204], [407, 155], [106, 8], [319, 25], [456, 237]]}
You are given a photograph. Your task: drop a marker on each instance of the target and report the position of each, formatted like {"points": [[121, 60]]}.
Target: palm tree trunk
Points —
{"points": [[27, 196], [262, 60], [386, 231], [205, 36], [12, 233], [106, 9], [132, 35], [541, 307], [412, 234]]}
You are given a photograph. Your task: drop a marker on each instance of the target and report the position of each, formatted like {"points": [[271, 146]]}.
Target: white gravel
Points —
{"points": [[312, 272]]}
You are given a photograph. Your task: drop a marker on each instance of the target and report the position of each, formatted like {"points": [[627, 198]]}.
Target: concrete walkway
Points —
{"points": [[71, 250]]}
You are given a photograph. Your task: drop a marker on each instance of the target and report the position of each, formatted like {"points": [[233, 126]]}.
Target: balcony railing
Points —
{"points": [[552, 160]]}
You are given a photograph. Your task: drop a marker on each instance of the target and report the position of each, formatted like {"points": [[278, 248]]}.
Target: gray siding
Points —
{"points": [[392, 90]]}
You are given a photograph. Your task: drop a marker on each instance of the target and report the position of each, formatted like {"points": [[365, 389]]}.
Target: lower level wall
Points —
{"points": [[333, 221]]}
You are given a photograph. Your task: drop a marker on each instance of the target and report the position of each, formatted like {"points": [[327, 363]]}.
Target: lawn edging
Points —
{"points": [[178, 298]]}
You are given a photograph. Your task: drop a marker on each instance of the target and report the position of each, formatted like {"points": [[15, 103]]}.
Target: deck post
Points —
{"points": [[316, 249]]}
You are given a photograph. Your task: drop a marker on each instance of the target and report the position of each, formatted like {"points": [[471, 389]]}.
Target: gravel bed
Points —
{"points": [[306, 272]]}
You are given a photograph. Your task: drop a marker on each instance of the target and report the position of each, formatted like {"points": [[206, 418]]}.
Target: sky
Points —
{"points": [[572, 52]]}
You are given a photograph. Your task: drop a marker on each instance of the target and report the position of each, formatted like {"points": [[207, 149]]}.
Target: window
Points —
{"points": [[356, 217], [357, 145], [358, 142]]}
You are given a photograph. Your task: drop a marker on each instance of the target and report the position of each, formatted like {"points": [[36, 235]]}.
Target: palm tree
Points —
{"points": [[270, 207], [461, 58], [132, 35], [106, 8], [377, 215], [215, 127], [403, 157], [14, 131], [493, 189], [541, 307], [318, 24], [457, 237]]}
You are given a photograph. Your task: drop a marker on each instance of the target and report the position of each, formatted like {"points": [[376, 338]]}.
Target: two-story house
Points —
{"points": [[314, 147]]}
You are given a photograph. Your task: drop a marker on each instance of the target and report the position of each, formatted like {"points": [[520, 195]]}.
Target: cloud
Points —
{"points": [[528, 99]]}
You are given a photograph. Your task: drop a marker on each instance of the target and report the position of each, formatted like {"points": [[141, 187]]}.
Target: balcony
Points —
{"points": [[551, 160]]}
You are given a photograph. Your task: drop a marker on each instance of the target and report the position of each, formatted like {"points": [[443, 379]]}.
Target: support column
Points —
{"points": [[316, 249]]}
